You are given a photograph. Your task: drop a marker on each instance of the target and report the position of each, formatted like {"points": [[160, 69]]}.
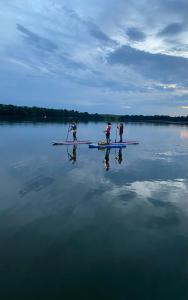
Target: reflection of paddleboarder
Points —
{"points": [[72, 156], [119, 157], [107, 159]]}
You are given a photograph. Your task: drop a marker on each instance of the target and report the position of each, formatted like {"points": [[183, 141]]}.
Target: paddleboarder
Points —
{"points": [[73, 129], [107, 131], [120, 128]]}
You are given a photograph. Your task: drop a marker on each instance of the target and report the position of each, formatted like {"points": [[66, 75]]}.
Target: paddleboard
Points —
{"points": [[70, 143], [128, 142], [116, 145]]}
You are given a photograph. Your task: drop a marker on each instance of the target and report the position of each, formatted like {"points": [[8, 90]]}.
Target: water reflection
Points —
{"points": [[72, 155], [77, 228], [119, 157], [184, 134], [36, 184], [107, 159]]}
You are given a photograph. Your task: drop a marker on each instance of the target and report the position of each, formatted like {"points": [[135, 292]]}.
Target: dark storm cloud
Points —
{"points": [[172, 29], [36, 40], [135, 34], [167, 68]]}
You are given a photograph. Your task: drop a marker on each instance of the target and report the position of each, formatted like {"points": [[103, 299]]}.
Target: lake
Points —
{"points": [[71, 228]]}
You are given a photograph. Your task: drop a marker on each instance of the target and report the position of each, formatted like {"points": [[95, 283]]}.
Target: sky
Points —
{"points": [[105, 56]]}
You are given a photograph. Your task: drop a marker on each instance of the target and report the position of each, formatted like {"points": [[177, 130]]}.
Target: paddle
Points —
{"points": [[68, 133]]}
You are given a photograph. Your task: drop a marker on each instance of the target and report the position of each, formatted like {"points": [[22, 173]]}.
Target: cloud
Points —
{"points": [[172, 29], [126, 106], [175, 7], [166, 68], [135, 34], [97, 33], [93, 29], [37, 41], [169, 86], [55, 63], [184, 107], [95, 51]]}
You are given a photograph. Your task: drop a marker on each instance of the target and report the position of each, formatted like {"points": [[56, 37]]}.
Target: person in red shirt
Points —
{"points": [[107, 131]]}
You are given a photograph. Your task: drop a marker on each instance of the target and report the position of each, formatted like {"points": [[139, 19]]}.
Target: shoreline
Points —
{"points": [[13, 113], [66, 121]]}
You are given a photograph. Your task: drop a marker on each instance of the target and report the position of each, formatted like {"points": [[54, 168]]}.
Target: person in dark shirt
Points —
{"points": [[120, 127]]}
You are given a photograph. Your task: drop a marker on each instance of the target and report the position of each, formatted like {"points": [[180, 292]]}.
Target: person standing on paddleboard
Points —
{"points": [[73, 129], [120, 127], [107, 131]]}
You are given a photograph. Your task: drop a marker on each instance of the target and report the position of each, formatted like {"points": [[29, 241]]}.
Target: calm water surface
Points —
{"points": [[69, 229]]}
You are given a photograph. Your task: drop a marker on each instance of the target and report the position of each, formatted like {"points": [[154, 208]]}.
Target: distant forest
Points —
{"points": [[39, 114]]}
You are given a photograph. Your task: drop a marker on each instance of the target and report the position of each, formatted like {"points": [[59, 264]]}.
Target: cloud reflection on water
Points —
{"points": [[184, 134]]}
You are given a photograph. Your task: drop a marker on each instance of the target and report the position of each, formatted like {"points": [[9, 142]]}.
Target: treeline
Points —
{"points": [[12, 112], [42, 114], [154, 118]]}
